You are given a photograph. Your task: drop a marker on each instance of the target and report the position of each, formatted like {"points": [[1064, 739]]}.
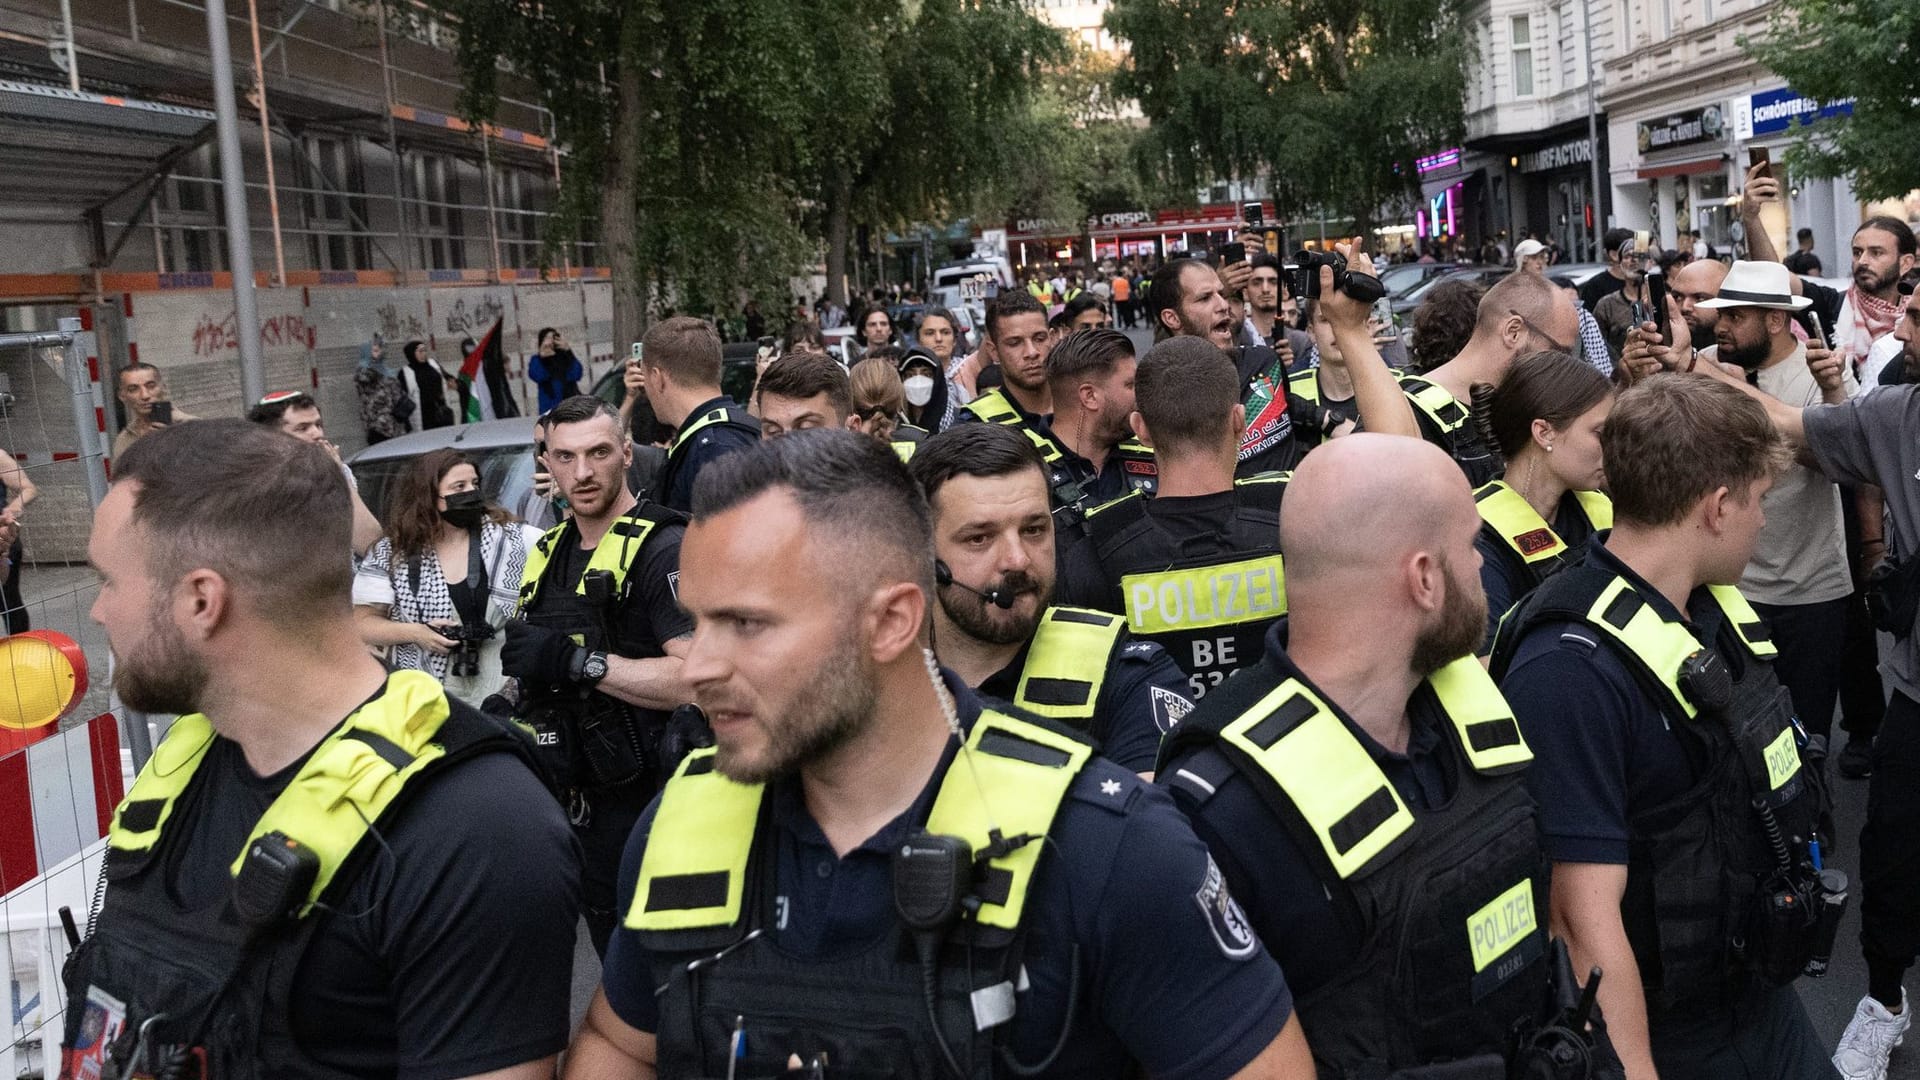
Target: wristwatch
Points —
{"points": [[591, 667]]}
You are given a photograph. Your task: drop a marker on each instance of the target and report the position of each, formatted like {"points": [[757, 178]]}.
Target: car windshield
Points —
{"points": [[1400, 278], [506, 476]]}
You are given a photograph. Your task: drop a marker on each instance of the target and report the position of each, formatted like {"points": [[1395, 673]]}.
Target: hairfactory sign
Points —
{"points": [[1565, 155]]}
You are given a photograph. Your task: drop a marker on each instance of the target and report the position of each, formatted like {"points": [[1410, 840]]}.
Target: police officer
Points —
{"points": [[1017, 329], [1091, 373], [1682, 814], [1522, 313], [802, 390], [1365, 724], [805, 897], [680, 370], [315, 872], [598, 643], [1545, 421], [994, 627]]}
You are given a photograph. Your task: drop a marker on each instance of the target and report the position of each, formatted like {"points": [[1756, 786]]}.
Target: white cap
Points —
{"points": [[1527, 247]]}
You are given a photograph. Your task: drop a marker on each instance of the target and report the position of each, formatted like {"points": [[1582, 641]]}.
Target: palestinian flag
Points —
{"points": [[483, 381]]}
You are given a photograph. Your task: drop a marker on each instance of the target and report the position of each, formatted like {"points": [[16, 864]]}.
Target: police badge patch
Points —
{"points": [[1169, 708], [1229, 925]]}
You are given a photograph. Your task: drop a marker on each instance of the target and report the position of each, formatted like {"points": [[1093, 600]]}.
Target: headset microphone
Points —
{"points": [[943, 576]]}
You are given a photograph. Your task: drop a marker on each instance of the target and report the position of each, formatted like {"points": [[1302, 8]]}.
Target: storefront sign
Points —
{"points": [[1042, 227], [1566, 155], [1445, 159], [1121, 219], [1775, 111], [1682, 129]]}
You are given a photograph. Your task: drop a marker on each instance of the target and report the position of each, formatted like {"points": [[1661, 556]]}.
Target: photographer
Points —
{"points": [[446, 576]]}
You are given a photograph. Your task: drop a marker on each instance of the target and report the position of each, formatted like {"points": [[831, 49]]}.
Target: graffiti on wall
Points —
{"points": [[395, 326], [463, 319], [211, 337]]}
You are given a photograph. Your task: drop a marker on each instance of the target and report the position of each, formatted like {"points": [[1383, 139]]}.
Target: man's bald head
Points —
{"points": [[1362, 503], [1523, 313]]}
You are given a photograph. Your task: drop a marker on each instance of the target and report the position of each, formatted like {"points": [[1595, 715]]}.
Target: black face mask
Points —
{"points": [[465, 509]]}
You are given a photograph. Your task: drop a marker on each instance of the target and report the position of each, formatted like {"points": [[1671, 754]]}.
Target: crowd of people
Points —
{"points": [[1274, 702]]}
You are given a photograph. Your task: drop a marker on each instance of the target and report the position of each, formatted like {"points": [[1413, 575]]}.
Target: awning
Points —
{"points": [[1434, 186], [1682, 168], [76, 149]]}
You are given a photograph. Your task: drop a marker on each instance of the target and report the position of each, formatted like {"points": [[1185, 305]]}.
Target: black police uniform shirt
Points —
{"points": [[1170, 976], [1603, 748], [1506, 579], [1143, 696], [713, 441], [1101, 485], [652, 615], [407, 976], [1464, 445], [1275, 879]]}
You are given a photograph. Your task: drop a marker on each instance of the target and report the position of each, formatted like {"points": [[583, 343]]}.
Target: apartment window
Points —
{"points": [[1522, 42], [436, 195], [335, 204]]}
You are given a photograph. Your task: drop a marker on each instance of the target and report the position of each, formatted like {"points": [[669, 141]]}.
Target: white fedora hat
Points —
{"points": [[1758, 284]]}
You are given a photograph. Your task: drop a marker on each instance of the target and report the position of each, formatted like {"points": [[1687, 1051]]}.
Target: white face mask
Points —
{"points": [[919, 389]]}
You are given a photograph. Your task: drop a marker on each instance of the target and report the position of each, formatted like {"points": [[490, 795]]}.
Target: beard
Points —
{"points": [[835, 705], [1114, 427], [161, 675], [1462, 626], [1871, 282], [1749, 355], [998, 626]]}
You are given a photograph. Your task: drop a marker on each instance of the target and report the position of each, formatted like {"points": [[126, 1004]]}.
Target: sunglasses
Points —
{"points": [[1535, 330]]}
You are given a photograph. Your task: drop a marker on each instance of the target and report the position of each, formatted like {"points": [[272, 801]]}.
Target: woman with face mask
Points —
{"points": [[434, 591], [929, 401]]}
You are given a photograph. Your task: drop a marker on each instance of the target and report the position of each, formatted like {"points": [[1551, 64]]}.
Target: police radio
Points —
{"points": [[274, 879]]}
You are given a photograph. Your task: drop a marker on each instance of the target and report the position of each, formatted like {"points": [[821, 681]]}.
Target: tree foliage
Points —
{"points": [[1332, 99], [1869, 50]]}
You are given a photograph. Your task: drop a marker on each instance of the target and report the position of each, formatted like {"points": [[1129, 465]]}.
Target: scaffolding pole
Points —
{"points": [[393, 150], [266, 143], [233, 192]]}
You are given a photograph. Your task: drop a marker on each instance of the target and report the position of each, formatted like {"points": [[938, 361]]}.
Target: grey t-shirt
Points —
{"points": [[1875, 439], [1801, 555]]}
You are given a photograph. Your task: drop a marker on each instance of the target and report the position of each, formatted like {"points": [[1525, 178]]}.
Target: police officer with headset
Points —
{"points": [[873, 874], [598, 642], [314, 874], [995, 625]]}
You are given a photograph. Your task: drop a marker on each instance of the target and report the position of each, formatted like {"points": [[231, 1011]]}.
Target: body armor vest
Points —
{"points": [[729, 415], [704, 903], [1449, 903], [1208, 600], [1524, 539], [1702, 864], [203, 984], [1457, 435], [1068, 662]]}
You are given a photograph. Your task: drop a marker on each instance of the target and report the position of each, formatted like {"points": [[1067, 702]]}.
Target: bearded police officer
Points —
{"points": [[314, 874], [1367, 759], [1683, 815], [806, 896], [1092, 375], [994, 627], [598, 642]]}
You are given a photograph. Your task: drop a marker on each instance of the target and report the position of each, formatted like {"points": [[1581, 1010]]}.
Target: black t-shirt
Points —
{"points": [[411, 976], [1598, 288], [651, 615]]}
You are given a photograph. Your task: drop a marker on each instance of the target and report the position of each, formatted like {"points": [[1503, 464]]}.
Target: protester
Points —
{"points": [[1628, 306], [384, 405], [1530, 255], [554, 369], [426, 384], [1600, 285], [437, 587], [1804, 261], [295, 413], [1443, 322], [876, 331], [923, 378], [143, 395]]}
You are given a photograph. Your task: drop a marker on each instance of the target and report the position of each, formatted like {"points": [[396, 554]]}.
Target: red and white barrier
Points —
{"points": [[56, 797]]}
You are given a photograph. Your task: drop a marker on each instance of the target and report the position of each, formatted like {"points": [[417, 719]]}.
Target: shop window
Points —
{"points": [[1522, 44]]}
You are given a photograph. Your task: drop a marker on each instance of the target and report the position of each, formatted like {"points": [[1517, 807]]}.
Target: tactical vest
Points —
{"points": [[995, 407], [1068, 497], [1697, 862], [904, 450], [1449, 905], [1208, 600], [1457, 435], [558, 714], [1525, 540], [199, 976], [703, 908], [1072, 652], [730, 415], [1306, 383]]}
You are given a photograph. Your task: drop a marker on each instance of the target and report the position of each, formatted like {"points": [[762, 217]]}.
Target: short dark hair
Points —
{"points": [[540, 338], [1265, 260], [1087, 352], [1610, 243], [1082, 304], [1185, 392], [580, 408], [1546, 385], [1803, 234], [267, 513], [686, 348], [1164, 292], [137, 365], [846, 483], [1673, 439], [270, 412], [802, 375], [1902, 232], [1006, 305], [803, 330], [973, 450]]}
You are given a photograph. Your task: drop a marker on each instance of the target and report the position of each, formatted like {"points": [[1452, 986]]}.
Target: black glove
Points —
{"points": [[539, 653]]}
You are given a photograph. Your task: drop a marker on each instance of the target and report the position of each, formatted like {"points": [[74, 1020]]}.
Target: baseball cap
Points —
{"points": [[1528, 247]]}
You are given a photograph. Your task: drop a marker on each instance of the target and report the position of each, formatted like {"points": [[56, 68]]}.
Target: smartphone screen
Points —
{"points": [[1233, 253], [1255, 214], [1759, 158]]}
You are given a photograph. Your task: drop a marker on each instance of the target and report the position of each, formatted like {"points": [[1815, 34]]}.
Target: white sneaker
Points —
{"points": [[1870, 1038]]}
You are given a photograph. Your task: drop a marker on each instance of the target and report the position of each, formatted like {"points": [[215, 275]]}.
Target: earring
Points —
{"points": [[1549, 448]]}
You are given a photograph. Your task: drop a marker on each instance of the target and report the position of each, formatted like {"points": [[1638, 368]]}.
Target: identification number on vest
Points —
{"points": [[1206, 596], [1504, 922], [1535, 542], [1783, 759]]}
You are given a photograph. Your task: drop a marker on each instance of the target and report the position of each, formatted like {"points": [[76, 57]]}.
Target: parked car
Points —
{"points": [[1404, 305], [1403, 278], [501, 449]]}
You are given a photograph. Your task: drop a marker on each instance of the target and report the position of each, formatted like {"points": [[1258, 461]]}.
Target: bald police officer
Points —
{"points": [[805, 895]]}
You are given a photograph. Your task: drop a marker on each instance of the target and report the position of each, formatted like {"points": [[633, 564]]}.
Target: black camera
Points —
{"points": [[1303, 277], [466, 638]]}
